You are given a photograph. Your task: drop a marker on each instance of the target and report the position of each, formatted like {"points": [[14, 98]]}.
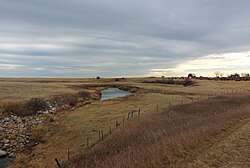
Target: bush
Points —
{"points": [[84, 94], [36, 104], [12, 107], [188, 82]]}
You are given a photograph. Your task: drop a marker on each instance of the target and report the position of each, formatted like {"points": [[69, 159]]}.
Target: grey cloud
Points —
{"points": [[117, 38]]}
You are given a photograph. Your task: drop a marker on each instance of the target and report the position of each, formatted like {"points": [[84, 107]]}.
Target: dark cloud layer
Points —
{"points": [[61, 38]]}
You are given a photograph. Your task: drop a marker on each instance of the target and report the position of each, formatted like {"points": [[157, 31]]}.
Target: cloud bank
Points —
{"points": [[59, 38]]}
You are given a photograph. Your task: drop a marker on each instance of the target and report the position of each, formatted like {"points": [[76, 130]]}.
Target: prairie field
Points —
{"points": [[179, 126]]}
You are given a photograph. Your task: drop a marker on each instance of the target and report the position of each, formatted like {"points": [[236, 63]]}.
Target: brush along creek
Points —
{"points": [[15, 131]]}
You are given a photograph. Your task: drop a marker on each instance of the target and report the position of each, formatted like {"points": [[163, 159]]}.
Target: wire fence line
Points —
{"points": [[102, 134]]}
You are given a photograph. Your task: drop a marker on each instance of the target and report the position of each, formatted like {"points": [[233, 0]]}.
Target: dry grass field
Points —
{"points": [[200, 134], [189, 126]]}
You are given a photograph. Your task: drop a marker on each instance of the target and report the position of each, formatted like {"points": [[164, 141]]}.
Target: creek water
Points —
{"points": [[112, 93], [4, 162], [107, 94]]}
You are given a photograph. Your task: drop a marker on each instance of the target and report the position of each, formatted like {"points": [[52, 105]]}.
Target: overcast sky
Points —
{"points": [[111, 38]]}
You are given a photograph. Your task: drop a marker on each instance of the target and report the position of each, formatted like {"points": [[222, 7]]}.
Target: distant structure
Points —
{"points": [[234, 76], [191, 76]]}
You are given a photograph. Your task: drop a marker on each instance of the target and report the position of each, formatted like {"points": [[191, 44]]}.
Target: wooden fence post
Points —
{"points": [[99, 135], [139, 112], [110, 130], [157, 107], [102, 136], [68, 154], [123, 120], [57, 162], [116, 124], [87, 143]]}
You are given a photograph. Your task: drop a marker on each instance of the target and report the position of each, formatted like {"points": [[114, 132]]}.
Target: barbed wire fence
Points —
{"points": [[102, 134]]}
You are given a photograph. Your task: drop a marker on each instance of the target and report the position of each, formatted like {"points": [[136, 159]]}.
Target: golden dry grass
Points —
{"points": [[174, 138], [72, 128]]}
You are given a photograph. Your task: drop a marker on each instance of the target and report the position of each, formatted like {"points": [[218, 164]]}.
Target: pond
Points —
{"points": [[112, 93], [4, 162]]}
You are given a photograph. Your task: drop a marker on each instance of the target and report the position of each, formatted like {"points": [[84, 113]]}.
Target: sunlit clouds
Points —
{"points": [[59, 38], [206, 66]]}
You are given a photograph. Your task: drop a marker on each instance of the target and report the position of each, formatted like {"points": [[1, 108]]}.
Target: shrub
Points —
{"points": [[36, 104], [98, 77], [84, 94], [13, 107], [187, 82]]}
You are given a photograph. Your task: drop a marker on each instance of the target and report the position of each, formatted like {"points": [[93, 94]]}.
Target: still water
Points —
{"points": [[4, 162], [112, 93]]}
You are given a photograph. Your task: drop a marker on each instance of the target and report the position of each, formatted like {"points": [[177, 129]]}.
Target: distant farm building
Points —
{"points": [[234, 76], [191, 76]]}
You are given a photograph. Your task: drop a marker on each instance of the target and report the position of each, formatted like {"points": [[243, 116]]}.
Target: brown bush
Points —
{"points": [[12, 107], [84, 94], [36, 104], [66, 99], [185, 82], [30, 107]]}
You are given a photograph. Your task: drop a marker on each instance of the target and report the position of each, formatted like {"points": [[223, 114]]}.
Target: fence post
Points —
{"points": [[116, 124], [157, 107], [57, 162], [139, 112], [109, 130], [102, 136], [99, 135], [123, 120], [128, 115], [87, 143], [68, 154]]}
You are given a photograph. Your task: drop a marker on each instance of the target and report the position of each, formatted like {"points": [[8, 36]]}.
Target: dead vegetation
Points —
{"points": [[34, 105], [173, 138], [70, 130], [185, 82]]}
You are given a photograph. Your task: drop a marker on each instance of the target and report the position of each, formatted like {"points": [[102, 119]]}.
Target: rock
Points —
{"points": [[3, 153], [2, 129], [7, 119], [12, 155], [19, 120], [6, 141], [5, 146], [14, 118]]}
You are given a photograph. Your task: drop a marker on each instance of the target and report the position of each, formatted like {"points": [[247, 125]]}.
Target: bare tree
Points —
{"points": [[245, 74], [217, 74], [221, 74]]}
